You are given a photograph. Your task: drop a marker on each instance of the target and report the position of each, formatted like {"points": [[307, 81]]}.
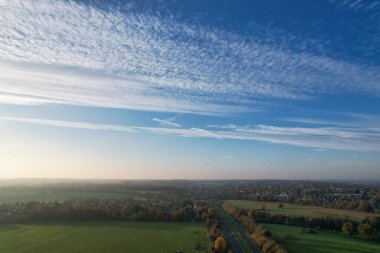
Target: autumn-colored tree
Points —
{"points": [[260, 241], [212, 232], [367, 231], [220, 244], [230, 209], [348, 228], [211, 212], [268, 246], [248, 223], [362, 205], [252, 213], [261, 231]]}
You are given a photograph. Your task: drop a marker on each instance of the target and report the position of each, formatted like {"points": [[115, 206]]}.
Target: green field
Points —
{"points": [[321, 242], [114, 236], [296, 210]]}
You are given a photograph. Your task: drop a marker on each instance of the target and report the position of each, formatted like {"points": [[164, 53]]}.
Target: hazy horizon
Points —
{"points": [[190, 90]]}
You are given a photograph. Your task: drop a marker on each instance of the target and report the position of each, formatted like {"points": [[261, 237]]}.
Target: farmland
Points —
{"points": [[295, 241], [164, 217], [110, 236], [297, 210]]}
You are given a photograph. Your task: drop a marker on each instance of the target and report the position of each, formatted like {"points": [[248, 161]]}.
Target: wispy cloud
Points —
{"points": [[167, 122], [228, 126], [69, 52], [345, 120], [357, 5], [71, 124], [355, 139]]}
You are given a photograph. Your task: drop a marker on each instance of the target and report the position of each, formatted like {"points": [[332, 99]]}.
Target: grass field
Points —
{"points": [[321, 242], [114, 236], [296, 210]]}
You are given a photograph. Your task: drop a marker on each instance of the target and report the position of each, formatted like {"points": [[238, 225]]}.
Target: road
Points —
{"points": [[227, 221], [234, 243]]}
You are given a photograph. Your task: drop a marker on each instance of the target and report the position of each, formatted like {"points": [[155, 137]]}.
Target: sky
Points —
{"points": [[190, 89]]}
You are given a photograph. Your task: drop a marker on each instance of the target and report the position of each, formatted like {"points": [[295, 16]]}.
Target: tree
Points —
{"points": [[220, 244], [369, 209], [268, 246], [367, 231], [211, 212], [260, 241], [252, 213], [375, 222], [348, 228], [362, 205], [262, 232]]}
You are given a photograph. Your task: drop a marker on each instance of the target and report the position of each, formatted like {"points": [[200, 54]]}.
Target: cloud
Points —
{"points": [[167, 122], [229, 126], [358, 139], [71, 124], [321, 138], [346, 120], [72, 53], [354, 139], [205, 133], [29, 85], [15, 99], [356, 5]]}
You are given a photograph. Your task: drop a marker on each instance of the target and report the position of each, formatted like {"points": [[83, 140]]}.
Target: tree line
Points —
{"points": [[368, 229], [216, 238], [159, 209], [260, 235], [93, 209]]}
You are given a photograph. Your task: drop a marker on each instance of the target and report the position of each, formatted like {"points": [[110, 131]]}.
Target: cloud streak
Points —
{"points": [[167, 122], [357, 5], [353, 139], [71, 124], [71, 53]]}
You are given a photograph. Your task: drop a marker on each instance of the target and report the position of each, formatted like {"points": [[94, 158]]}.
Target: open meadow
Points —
{"points": [[297, 210], [296, 241], [110, 236]]}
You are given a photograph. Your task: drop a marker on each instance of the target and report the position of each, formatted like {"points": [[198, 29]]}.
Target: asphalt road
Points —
{"points": [[234, 243], [254, 248], [225, 220]]}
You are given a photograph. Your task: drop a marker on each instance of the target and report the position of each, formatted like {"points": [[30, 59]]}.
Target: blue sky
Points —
{"points": [[190, 89]]}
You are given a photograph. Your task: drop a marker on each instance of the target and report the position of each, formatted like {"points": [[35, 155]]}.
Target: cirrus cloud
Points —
{"points": [[71, 53], [353, 139]]}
